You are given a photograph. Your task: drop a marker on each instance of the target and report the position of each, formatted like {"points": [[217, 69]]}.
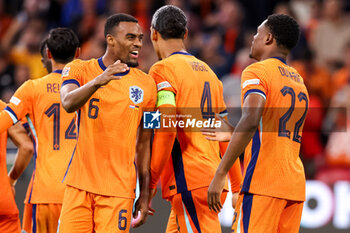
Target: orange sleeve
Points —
{"points": [[162, 146], [235, 173], [71, 73], [254, 81], [164, 78], [19, 106], [5, 119]]}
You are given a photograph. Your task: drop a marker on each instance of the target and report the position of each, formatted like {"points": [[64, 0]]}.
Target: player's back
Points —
{"points": [[198, 96], [7, 201], [54, 133], [272, 162]]}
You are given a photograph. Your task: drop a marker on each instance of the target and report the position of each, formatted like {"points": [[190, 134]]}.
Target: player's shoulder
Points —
{"points": [[143, 77], [78, 64]]}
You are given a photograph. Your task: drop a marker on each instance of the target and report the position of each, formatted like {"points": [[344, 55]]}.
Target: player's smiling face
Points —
{"points": [[258, 43], [128, 42]]}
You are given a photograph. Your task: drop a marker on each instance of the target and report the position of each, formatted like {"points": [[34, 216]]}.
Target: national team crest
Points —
{"points": [[136, 94]]}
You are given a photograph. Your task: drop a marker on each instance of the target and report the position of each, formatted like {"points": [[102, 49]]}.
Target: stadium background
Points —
{"points": [[220, 33]]}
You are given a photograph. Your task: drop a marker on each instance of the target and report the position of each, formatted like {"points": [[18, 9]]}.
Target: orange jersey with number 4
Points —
{"points": [[272, 163], [103, 162], [198, 93], [54, 133]]}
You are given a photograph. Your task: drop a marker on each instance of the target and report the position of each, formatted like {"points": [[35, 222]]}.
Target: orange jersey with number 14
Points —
{"points": [[272, 163], [54, 133]]}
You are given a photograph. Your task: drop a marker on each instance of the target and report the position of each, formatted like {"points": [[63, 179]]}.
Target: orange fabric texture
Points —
{"points": [[199, 93], [54, 133], [86, 212], [192, 212], [10, 223], [46, 217], [235, 172], [103, 162], [261, 214], [7, 201], [271, 160]]}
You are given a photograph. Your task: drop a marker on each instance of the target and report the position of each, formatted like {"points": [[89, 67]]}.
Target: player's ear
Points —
{"points": [[48, 54], [186, 34], [269, 39], [154, 34], [109, 39], [77, 52]]}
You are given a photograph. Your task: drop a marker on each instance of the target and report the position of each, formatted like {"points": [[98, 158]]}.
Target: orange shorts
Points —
{"points": [[172, 226], [192, 212], [261, 214], [41, 217], [84, 212], [10, 223]]}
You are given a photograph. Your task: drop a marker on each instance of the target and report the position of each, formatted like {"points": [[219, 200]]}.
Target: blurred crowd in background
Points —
{"points": [[220, 33]]}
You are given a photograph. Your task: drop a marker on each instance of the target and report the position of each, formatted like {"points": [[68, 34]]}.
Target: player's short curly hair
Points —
{"points": [[114, 20], [62, 43], [170, 21], [285, 30]]}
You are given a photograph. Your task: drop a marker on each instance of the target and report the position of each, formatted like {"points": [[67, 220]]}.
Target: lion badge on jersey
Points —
{"points": [[136, 94]]}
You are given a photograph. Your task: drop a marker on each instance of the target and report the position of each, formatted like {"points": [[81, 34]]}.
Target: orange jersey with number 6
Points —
{"points": [[104, 159]]}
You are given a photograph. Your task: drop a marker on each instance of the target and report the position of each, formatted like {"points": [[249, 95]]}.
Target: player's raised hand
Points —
{"points": [[109, 74], [222, 134], [214, 193]]}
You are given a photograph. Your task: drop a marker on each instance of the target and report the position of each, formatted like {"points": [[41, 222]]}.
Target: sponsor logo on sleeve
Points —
{"points": [[65, 71], [251, 82], [163, 85], [15, 100]]}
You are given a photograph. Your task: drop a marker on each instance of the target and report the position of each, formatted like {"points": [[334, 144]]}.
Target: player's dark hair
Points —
{"points": [[114, 20], [62, 43], [43, 46], [170, 21], [284, 29]]}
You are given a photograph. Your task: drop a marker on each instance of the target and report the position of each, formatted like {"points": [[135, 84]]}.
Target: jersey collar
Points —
{"points": [[103, 67], [281, 59], [183, 53], [57, 71]]}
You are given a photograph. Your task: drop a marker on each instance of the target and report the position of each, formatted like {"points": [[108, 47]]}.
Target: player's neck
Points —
{"points": [[171, 46], [57, 66], [274, 54]]}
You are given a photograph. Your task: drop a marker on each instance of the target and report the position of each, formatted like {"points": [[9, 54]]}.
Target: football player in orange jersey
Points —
{"points": [[274, 106], [183, 159], [109, 95], [9, 216], [53, 131]]}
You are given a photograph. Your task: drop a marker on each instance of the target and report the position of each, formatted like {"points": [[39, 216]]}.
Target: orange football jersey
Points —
{"points": [[272, 163], [54, 133], [7, 200], [104, 159], [199, 93]]}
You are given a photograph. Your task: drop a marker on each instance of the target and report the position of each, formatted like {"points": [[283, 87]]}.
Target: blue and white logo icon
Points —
{"points": [[151, 120], [136, 94]]}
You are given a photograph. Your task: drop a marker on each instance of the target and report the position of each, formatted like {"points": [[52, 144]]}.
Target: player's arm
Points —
{"points": [[73, 97], [20, 138], [143, 158], [163, 140], [246, 127]]}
